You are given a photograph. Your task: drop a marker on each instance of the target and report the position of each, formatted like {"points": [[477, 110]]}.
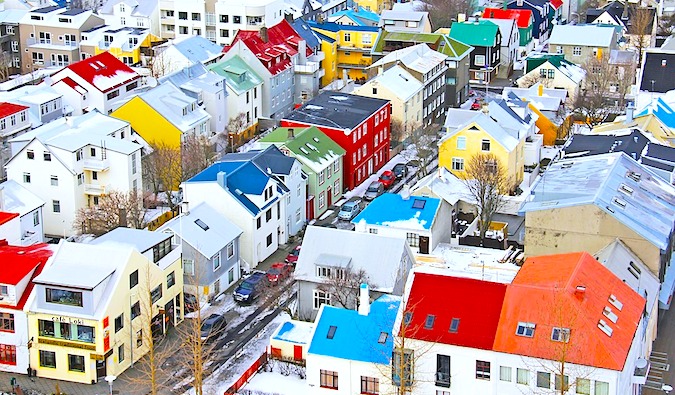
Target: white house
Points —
{"points": [[69, 163], [13, 121], [95, 82], [18, 266], [44, 103], [133, 13], [234, 15], [552, 70], [423, 221], [184, 52], [10, 228], [16, 199], [508, 53]]}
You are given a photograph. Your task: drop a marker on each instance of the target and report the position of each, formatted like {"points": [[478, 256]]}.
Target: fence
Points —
{"points": [[159, 221], [250, 372]]}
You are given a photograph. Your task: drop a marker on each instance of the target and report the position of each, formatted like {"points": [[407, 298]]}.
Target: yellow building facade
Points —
{"points": [[351, 50], [130, 53], [148, 123]]}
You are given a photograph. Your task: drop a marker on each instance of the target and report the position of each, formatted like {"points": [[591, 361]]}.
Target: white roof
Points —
{"points": [[586, 35], [418, 57], [445, 185], [17, 199], [399, 81], [12, 16], [169, 101], [491, 127], [456, 117], [380, 256], [219, 233], [141, 240], [402, 15], [506, 27], [51, 18]]}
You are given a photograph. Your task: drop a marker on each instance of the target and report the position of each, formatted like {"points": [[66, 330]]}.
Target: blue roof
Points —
{"points": [[359, 16], [631, 193], [334, 27], [325, 38], [307, 34], [211, 172], [661, 110], [389, 209], [198, 49], [356, 336]]}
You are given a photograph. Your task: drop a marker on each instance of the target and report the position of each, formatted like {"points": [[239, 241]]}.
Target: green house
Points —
{"points": [[321, 160]]}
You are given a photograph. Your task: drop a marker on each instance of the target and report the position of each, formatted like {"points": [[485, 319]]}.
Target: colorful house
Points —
{"points": [[376, 6], [128, 44], [486, 39], [524, 20], [355, 17], [541, 14], [322, 162], [552, 70]]}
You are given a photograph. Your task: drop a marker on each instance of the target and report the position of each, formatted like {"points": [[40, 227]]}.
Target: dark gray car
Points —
{"points": [[374, 190]]}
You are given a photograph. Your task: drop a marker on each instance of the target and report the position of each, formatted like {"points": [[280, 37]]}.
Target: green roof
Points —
{"points": [[534, 61], [239, 76], [443, 44], [481, 33], [310, 145]]}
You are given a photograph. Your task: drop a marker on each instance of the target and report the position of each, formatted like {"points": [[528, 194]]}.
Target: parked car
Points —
{"points": [[349, 210], [374, 190], [477, 104], [279, 272], [251, 288], [212, 326], [387, 178], [400, 170], [292, 256], [189, 303]]}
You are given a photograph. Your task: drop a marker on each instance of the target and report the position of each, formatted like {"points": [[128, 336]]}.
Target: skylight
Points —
{"points": [[619, 202], [429, 323], [607, 312], [419, 203], [634, 176], [634, 270], [615, 302], [331, 331], [605, 328], [454, 325], [626, 189], [560, 334], [525, 329], [383, 337], [201, 224]]}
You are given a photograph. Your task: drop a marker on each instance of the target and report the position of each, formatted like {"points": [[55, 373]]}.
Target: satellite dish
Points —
{"points": [[151, 82], [641, 363]]}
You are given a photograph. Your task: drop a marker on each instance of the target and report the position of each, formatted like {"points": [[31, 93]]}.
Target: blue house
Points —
{"points": [[353, 347], [423, 221], [661, 110], [542, 12]]}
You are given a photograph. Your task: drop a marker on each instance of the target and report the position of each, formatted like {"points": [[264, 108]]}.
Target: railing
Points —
{"points": [[442, 379], [96, 164], [44, 41], [250, 372], [308, 68], [210, 19], [352, 66], [94, 189]]}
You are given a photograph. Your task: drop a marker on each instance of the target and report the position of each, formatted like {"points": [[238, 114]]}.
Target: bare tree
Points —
{"points": [[425, 139], [159, 64], [233, 134], [5, 65], [640, 27], [197, 153], [666, 25], [486, 180], [584, 7], [443, 12], [343, 286], [162, 170], [113, 210], [531, 79], [397, 130]]}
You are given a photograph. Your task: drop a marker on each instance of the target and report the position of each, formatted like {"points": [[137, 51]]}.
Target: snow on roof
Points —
{"points": [[197, 49], [491, 127], [7, 109], [219, 230], [170, 101], [398, 80], [443, 184], [60, 17], [418, 57], [11, 16], [393, 211], [661, 110], [17, 199], [141, 240], [292, 331], [103, 71], [585, 35]]}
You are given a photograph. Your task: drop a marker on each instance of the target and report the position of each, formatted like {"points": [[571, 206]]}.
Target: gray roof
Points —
{"points": [[506, 28], [585, 35], [219, 233], [379, 256], [198, 49], [141, 240], [633, 194], [398, 80]]}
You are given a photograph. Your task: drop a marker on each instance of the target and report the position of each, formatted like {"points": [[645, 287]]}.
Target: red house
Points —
{"points": [[360, 125]]}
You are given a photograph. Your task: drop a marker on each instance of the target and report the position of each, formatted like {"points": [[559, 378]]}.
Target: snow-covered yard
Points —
{"points": [[277, 383]]}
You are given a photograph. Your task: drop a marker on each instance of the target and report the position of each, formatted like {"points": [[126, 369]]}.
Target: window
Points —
{"points": [[443, 370], [483, 370], [182, 16], [402, 365], [461, 142], [560, 334], [160, 250], [56, 206], [322, 177], [7, 354], [133, 163], [583, 386], [62, 296], [458, 164], [120, 353], [320, 298], [26, 178], [429, 322], [562, 382], [336, 187], [372, 230], [135, 310], [30, 154], [322, 199], [230, 250], [505, 373], [268, 215], [38, 58], [119, 323], [269, 239], [6, 322], [413, 239], [47, 359], [139, 338], [216, 261], [576, 51], [171, 279], [298, 215], [522, 376], [10, 29], [258, 222], [54, 181], [94, 175], [46, 328], [479, 60], [551, 74], [366, 39], [133, 279], [182, 29], [543, 380], [525, 329], [224, 32], [485, 145], [224, 19], [370, 385], [47, 156], [454, 325], [329, 379], [75, 363], [113, 94], [542, 73], [601, 388], [156, 293], [189, 266], [79, 155], [196, 16], [4, 290], [348, 37], [236, 19]]}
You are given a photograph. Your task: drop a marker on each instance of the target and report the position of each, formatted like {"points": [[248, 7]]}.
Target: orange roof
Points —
{"points": [[569, 291]]}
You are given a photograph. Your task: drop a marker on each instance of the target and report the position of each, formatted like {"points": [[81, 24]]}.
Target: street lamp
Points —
{"points": [[110, 380]]}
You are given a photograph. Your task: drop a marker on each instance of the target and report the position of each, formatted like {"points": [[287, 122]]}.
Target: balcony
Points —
{"points": [[168, 19], [104, 44], [317, 57], [94, 189], [442, 379], [641, 371], [95, 164], [360, 66], [309, 68], [69, 45], [210, 19], [255, 20], [352, 48]]}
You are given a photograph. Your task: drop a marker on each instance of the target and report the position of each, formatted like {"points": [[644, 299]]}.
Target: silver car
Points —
{"points": [[374, 190], [349, 210]]}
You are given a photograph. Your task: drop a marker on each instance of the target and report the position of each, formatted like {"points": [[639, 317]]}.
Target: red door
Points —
{"points": [[297, 353], [329, 198]]}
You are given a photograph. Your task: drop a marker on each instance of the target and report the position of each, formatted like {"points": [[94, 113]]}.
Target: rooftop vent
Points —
{"points": [[383, 337], [619, 202], [331, 331], [605, 328], [626, 189], [201, 224], [634, 176]]}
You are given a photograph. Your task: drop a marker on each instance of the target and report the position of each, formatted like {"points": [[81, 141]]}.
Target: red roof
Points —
{"points": [[569, 291], [556, 3], [104, 71], [7, 109], [18, 262], [477, 304], [275, 54], [6, 217], [523, 17]]}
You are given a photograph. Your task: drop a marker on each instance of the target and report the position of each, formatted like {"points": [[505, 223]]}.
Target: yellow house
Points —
{"points": [[374, 5], [648, 123], [163, 115], [96, 306], [351, 51], [128, 44], [481, 134]]}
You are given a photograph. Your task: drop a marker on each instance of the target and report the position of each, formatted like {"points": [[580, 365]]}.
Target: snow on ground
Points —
{"points": [[277, 383], [403, 157]]}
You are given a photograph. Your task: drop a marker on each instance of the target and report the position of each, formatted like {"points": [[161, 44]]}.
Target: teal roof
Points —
{"points": [[310, 145], [536, 60], [239, 76], [481, 33]]}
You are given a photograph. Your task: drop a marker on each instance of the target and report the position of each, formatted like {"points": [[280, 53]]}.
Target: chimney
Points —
{"points": [[580, 291], [221, 177], [485, 109], [461, 17], [630, 110], [364, 299], [263, 34], [492, 14], [302, 52], [540, 90], [291, 133], [3, 242]]}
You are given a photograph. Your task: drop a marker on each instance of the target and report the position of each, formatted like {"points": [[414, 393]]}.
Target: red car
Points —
{"points": [[279, 272], [292, 257], [387, 178]]}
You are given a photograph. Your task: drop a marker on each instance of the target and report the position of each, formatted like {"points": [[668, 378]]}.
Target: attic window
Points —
{"points": [[383, 337], [607, 312], [331, 331], [605, 328], [407, 317], [619, 202], [429, 323], [316, 139], [560, 334], [615, 302], [634, 176], [454, 325], [626, 189], [419, 203], [664, 62], [634, 270], [525, 329], [201, 224], [64, 20]]}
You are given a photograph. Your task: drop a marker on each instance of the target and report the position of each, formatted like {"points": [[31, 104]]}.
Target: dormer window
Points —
{"points": [[63, 296], [6, 322], [185, 111], [4, 290]]}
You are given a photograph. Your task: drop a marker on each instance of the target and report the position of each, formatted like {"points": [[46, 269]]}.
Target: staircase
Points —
{"points": [[659, 365]]}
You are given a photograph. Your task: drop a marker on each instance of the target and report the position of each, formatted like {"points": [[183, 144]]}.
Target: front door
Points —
{"points": [[169, 314], [297, 353], [424, 244], [101, 370], [370, 166], [329, 197]]}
